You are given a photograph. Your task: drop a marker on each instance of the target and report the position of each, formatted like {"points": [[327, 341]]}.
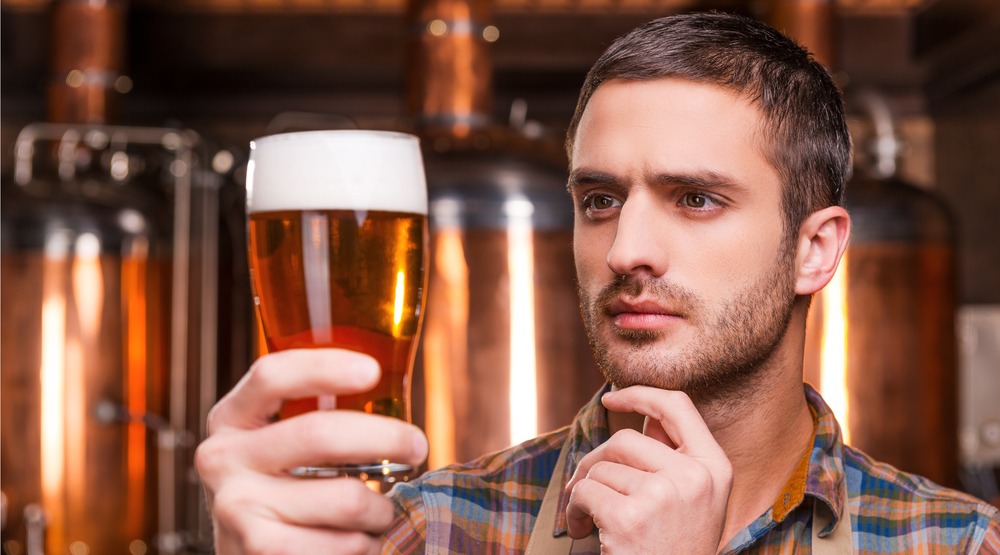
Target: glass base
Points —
{"points": [[385, 471]]}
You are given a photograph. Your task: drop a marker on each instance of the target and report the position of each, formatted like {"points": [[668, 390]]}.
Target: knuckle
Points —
{"points": [[626, 435], [600, 470], [661, 489], [355, 543], [354, 500], [699, 476], [209, 459], [264, 375], [620, 442], [584, 490]]}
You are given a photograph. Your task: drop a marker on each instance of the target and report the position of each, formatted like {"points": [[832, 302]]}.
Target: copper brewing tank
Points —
{"points": [[86, 292], [502, 337], [811, 23], [898, 340], [881, 340], [503, 353]]}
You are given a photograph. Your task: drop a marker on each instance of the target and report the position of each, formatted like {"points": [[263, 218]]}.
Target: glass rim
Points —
{"points": [[298, 135]]}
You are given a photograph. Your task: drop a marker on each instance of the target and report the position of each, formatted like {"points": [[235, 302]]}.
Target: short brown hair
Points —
{"points": [[806, 134]]}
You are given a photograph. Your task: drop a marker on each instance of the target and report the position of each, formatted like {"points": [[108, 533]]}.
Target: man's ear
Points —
{"points": [[822, 241]]}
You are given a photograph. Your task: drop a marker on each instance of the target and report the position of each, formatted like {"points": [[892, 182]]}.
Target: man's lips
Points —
{"points": [[641, 314]]}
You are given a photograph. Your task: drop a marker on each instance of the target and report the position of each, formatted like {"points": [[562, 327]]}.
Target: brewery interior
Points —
{"points": [[126, 304]]}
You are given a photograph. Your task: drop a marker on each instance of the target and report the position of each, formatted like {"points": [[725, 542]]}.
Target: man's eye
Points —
{"points": [[600, 202], [697, 200]]}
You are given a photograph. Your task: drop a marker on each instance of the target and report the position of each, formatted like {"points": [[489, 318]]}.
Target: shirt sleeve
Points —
{"points": [[407, 533], [991, 540]]}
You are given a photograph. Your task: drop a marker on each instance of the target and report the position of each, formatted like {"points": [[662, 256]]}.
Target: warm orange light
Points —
{"points": [[399, 296], [397, 305], [833, 348], [53, 382], [520, 261], [87, 286], [134, 286], [445, 345]]}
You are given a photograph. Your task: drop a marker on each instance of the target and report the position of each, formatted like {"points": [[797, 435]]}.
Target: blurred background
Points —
{"points": [[126, 307]]}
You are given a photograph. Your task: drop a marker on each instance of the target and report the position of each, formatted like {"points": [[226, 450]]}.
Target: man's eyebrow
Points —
{"points": [[706, 179], [583, 176]]}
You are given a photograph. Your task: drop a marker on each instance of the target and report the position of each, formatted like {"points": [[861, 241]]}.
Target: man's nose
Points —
{"points": [[638, 247]]}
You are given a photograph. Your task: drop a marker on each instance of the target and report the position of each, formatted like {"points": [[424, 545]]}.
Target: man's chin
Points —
{"points": [[632, 337], [639, 372]]}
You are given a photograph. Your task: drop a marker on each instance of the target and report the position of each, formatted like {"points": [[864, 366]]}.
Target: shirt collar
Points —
{"points": [[827, 476], [589, 430], [820, 475]]}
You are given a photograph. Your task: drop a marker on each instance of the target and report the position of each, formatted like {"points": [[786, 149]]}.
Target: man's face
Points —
{"points": [[684, 275]]}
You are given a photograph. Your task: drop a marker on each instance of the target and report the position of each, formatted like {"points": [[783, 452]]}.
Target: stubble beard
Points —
{"points": [[726, 357]]}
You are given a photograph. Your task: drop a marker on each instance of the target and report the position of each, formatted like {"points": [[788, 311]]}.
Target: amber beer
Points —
{"points": [[337, 246]]}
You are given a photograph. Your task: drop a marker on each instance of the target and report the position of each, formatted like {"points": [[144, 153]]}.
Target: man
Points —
{"points": [[708, 160]]}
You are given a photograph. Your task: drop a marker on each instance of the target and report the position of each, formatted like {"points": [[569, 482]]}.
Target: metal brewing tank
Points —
{"points": [[896, 291], [504, 352], [94, 285], [85, 291], [901, 289], [899, 302]]}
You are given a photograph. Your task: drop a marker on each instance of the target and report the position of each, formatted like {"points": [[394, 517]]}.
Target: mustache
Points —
{"points": [[669, 294]]}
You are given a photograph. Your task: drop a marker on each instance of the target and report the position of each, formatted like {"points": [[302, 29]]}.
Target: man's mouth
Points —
{"points": [[641, 314]]}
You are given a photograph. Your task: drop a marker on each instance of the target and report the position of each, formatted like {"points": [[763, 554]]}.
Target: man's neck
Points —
{"points": [[764, 439]]}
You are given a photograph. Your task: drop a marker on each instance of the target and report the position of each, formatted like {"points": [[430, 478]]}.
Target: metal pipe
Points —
{"points": [[450, 69], [87, 60], [812, 23], [886, 145]]}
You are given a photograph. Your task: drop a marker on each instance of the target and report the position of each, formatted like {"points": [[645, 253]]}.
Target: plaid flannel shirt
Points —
{"points": [[489, 505]]}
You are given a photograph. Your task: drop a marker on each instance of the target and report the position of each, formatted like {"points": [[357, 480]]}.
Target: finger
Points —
{"points": [[291, 374], [676, 414], [624, 479], [585, 502], [262, 536], [315, 438], [628, 448], [343, 504], [337, 437]]}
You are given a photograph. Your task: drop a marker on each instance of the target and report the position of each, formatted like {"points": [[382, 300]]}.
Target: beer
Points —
{"points": [[337, 247], [361, 277]]}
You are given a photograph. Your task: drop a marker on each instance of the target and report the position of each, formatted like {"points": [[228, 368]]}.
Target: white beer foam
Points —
{"points": [[336, 170]]}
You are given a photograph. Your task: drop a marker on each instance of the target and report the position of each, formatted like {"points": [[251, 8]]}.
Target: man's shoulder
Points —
{"points": [[533, 454], [521, 470], [882, 482], [892, 502], [486, 505]]}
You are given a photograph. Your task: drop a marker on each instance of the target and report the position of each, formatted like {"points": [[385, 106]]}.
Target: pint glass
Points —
{"points": [[337, 242]]}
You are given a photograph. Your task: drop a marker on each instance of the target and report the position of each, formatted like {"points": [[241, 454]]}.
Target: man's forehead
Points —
{"points": [[671, 131], [642, 101]]}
